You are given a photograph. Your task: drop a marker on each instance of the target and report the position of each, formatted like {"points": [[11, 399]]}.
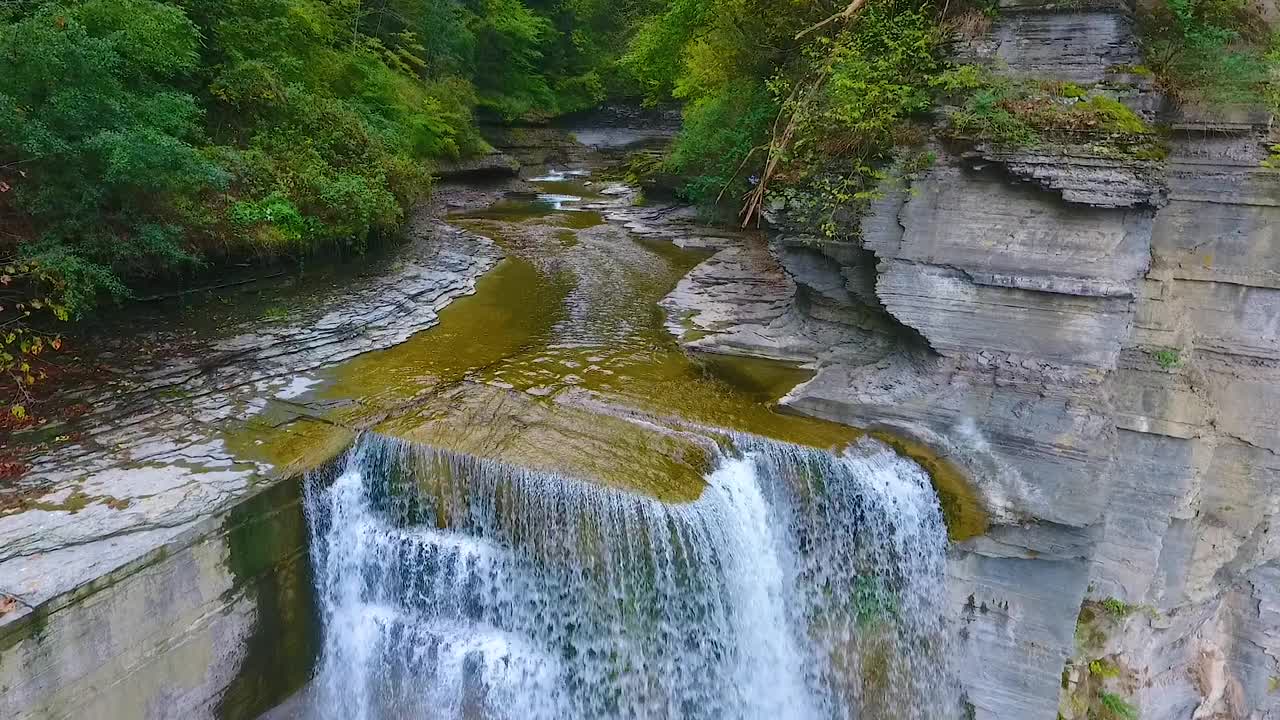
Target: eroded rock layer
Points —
{"points": [[1095, 339]]}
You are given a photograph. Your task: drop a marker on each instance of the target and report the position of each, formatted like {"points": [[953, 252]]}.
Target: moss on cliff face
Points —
{"points": [[1096, 682]]}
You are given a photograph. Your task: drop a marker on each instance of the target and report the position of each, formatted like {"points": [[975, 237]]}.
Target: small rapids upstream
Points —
{"points": [[800, 584]]}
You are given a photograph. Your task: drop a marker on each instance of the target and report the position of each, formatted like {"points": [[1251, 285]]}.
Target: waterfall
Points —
{"points": [[801, 584]]}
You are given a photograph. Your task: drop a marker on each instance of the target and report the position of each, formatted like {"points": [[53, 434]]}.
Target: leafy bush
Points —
{"points": [[1209, 51], [721, 133], [1118, 608], [878, 75], [1115, 707], [29, 312], [1168, 359], [108, 148], [985, 117]]}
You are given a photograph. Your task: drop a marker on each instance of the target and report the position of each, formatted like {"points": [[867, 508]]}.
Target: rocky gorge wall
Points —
{"points": [[1104, 358], [218, 622], [1095, 341]]}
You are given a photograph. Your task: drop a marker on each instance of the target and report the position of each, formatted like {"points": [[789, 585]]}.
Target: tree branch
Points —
{"points": [[854, 8]]}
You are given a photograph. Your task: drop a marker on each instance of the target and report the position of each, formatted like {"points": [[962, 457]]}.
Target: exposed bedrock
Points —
{"points": [[1078, 41], [1095, 339], [1116, 400], [216, 622]]}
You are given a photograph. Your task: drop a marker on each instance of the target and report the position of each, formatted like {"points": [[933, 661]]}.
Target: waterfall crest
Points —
{"points": [[801, 584]]}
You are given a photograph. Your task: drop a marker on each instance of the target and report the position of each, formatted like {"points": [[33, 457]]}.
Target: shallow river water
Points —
{"points": [[567, 516]]}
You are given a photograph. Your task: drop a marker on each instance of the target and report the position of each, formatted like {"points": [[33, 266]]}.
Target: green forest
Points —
{"points": [[163, 139]]}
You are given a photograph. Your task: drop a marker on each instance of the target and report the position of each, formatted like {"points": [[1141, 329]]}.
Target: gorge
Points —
{"points": [[1008, 451]]}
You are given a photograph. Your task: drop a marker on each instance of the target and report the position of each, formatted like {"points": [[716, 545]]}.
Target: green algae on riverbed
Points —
{"points": [[555, 316], [291, 447], [543, 364], [581, 220], [520, 429]]}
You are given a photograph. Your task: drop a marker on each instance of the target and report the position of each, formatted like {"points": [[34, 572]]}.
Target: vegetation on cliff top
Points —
{"points": [[1210, 52], [786, 93], [800, 111]]}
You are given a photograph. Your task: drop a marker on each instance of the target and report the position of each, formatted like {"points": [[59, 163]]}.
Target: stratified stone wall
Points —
{"points": [[1096, 341], [218, 623]]}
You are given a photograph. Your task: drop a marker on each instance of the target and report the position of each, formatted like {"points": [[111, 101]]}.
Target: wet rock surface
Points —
{"points": [[149, 563]]}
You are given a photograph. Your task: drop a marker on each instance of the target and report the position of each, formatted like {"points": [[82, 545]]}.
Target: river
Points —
{"points": [[568, 516]]}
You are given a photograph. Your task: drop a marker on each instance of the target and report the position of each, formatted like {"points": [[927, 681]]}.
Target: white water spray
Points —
{"points": [[800, 585]]}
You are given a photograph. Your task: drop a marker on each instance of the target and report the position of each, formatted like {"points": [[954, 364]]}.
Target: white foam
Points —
{"points": [[548, 597]]}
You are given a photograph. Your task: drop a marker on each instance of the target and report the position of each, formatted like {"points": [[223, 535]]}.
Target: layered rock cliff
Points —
{"points": [[1095, 340]]}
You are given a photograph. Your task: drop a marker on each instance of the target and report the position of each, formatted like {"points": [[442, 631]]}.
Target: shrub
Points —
{"points": [[1118, 608], [1115, 707], [721, 133], [29, 312], [1209, 51]]}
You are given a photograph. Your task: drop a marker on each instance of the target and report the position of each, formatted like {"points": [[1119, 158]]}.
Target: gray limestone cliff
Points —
{"points": [[1095, 341]]}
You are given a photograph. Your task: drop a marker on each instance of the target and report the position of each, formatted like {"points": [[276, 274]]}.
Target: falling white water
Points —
{"points": [[799, 585], [554, 175], [558, 201]]}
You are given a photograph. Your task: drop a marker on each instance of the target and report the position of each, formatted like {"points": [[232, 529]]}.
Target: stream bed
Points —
{"points": [[560, 513]]}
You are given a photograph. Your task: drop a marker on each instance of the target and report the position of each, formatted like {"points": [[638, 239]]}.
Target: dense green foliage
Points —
{"points": [[143, 139], [141, 136], [1210, 51], [754, 71]]}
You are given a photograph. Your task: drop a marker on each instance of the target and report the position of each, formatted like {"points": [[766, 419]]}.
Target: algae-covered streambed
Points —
{"points": [[558, 512], [569, 317]]}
